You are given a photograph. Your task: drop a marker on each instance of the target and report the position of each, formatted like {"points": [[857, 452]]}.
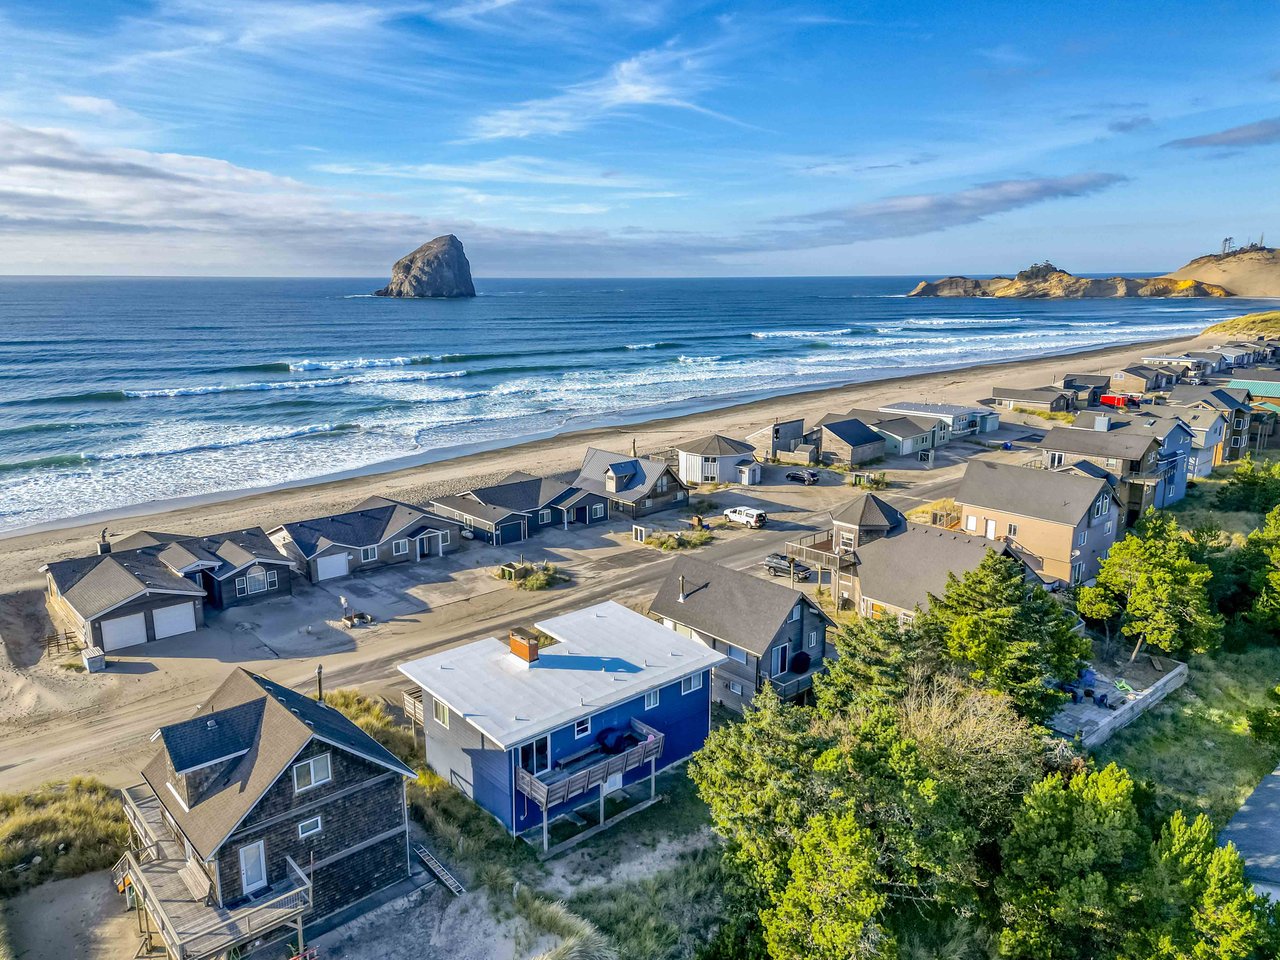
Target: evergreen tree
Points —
{"points": [[1006, 635], [873, 658]]}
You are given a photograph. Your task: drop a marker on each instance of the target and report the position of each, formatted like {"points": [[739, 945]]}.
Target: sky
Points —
{"points": [[632, 138]]}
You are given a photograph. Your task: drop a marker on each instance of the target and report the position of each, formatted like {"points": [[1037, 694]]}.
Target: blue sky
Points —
{"points": [[632, 139]]}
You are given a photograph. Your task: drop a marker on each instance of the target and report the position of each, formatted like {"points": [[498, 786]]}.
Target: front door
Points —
{"points": [[991, 529], [253, 867], [781, 656]]}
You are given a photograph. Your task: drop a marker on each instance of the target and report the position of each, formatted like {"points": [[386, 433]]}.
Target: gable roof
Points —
{"points": [[850, 430], [638, 474], [902, 570], [94, 585], [1035, 394], [521, 492], [1120, 444], [366, 526], [1052, 495], [731, 605], [1087, 379], [263, 726], [897, 425], [715, 445], [468, 507], [1221, 398], [606, 655], [1154, 424], [868, 512]]}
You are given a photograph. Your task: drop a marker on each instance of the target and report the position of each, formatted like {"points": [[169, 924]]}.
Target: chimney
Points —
{"points": [[1102, 422], [682, 593], [524, 644]]}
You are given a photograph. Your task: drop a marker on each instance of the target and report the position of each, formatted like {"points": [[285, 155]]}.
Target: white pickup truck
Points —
{"points": [[747, 516]]}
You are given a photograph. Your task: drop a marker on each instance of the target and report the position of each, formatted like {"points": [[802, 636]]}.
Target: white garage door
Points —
{"points": [[329, 567], [171, 621], [124, 631]]}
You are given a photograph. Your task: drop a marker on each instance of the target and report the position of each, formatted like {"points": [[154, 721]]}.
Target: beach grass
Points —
{"points": [[667, 542], [1060, 415], [1264, 324], [370, 714]]}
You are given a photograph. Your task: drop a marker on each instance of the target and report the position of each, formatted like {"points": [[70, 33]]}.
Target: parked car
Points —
{"points": [[807, 477], [780, 565], [747, 516], [1118, 400]]}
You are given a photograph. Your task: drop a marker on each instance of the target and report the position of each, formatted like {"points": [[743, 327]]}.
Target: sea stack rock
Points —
{"points": [[436, 269]]}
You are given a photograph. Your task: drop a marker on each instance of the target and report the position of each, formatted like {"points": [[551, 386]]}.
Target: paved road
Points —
{"points": [[114, 746]]}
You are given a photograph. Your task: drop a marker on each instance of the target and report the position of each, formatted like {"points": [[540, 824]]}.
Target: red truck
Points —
{"points": [[1118, 400]]}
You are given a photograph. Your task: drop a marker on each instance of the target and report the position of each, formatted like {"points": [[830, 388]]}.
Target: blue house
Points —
{"points": [[543, 723]]}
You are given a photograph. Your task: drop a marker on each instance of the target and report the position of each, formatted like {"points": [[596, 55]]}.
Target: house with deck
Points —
{"points": [[846, 441], [1208, 429], [378, 533], [1130, 458], [904, 435], [1236, 407], [1214, 361], [1176, 443], [961, 421], [548, 723], [772, 635], [717, 459], [264, 812], [151, 586], [634, 486], [1060, 523], [1044, 399], [833, 549], [780, 437]]}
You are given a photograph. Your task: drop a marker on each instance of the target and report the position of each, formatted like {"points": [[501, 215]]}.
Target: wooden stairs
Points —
{"points": [[437, 868]]}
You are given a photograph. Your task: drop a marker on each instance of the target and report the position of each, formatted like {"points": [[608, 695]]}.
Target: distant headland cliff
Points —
{"points": [[1252, 271], [438, 268]]}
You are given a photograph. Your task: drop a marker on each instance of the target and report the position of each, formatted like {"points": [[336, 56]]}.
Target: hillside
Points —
{"points": [[1251, 324], [1250, 272], [1044, 281]]}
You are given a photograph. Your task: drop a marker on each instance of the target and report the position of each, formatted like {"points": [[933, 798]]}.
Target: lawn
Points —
{"points": [[1194, 750]]}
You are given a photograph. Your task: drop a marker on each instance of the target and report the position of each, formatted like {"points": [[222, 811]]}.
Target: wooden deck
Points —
{"points": [[192, 929]]}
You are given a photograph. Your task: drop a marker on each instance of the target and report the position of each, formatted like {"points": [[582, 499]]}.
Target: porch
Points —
{"points": [[792, 684], [172, 892], [593, 768]]}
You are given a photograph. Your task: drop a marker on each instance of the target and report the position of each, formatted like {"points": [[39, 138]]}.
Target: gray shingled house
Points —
{"points": [[262, 813], [845, 441], [717, 459], [634, 486], [520, 505], [1051, 399], [771, 634], [377, 533], [151, 586]]}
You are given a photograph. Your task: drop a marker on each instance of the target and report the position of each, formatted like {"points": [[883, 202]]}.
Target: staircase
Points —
{"points": [[436, 867]]}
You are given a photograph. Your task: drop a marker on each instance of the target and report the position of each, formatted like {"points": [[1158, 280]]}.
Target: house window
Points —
{"points": [[309, 828], [1237, 441], [781, 659], [444, 538], [368, 554], [1055, 460], [847, 541], [440, 711], [662, 484], [679, 495], [690, 684], [906, 619], [646, 502], [256, 582], [1012, 531], [597, 510], [1102, 505], [651, 700], [536, 757], [735, 688], [795, 613], [581, 728], [1239, 423], [735, 653], [1077, 572], [1084, 536], [399, 548], [311, 773], [813, 638], [544, 517], [971, 523], [1112, 462], [1107, 528]]}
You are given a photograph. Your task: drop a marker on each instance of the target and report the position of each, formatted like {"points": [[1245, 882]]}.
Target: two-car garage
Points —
{"points": [[130, 629]]}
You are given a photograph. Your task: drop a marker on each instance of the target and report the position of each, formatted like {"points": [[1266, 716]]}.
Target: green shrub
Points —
{"points": [[543, 578], [679, 540], [73, 828]]}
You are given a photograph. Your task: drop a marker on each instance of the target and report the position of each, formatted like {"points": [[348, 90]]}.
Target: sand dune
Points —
{"points": [[1252, 272]]}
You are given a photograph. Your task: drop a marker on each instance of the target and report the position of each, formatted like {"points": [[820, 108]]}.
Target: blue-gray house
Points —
{"points": [[545, 722]]}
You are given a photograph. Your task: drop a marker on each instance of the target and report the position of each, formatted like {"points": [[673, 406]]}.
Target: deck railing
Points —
{"points": [[549, 794]]}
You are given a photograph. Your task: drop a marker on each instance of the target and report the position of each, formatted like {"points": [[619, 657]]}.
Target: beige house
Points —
{"points": [[1061, 524]]}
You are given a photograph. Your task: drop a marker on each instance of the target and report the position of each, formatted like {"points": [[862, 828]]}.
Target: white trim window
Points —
{"points": [[309, 827], [971, 523], [581, 728], [813, 638], [312, 773], [399, 548], [1077, 572], [1012, 531], [690, 684], [440, 711], [1055, 460], [735, 653], [735, 688], [535, 756], [444, 538], [256, 581], [368, 554], [796, 613], [597, 511], [1083, 538], [651, 699], [544, 517]]}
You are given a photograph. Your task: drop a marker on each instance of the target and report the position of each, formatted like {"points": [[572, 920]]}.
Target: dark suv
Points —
{"points": [[780, 565], [807, 477]]}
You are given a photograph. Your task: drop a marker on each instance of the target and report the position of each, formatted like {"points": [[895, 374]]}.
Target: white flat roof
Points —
{"points": [[606, 654], [938, 409]]}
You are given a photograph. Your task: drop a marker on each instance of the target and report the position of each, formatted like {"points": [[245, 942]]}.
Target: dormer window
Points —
{"points": [[311, 773]]}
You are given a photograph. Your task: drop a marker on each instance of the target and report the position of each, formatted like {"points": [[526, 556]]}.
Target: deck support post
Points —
{"points": [[602, 803], [302, 943], [653, 773], [544, 829]]}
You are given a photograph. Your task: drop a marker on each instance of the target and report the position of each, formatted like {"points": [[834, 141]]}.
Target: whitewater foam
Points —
{"points": [[285, 385]]}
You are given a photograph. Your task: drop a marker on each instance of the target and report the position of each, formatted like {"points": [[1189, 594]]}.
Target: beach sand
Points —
{"points": [[32, 685]]}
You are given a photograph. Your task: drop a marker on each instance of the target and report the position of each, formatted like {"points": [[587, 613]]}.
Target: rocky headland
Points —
{"points": [[1044, 281], [438, 268]]}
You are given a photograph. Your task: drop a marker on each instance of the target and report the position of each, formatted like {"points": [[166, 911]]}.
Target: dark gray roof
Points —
{"points": [[473, 509], [851, 431], [1257, 374], [1157, 424], [1120, 444], [1033, 394], [367, 526], [1221, 398], [715, 445], [1255, 830], [271, 724], [1088, 379], [638, 474], [733, 606], [869, 512], [521, 492], [897, 425], [1028, 492], [1142, 371], [94, 585], [902, 570]]}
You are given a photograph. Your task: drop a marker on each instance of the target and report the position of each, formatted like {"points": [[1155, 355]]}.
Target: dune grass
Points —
{"points": [[1265, 324], [543, 578], [667, 542], [1194, 751], [370, 714], [57, 831], [1061, 415], [1198, 508]]}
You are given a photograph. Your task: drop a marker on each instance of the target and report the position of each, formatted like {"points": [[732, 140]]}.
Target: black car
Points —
{"points": [[807, 477], [780, 565]]}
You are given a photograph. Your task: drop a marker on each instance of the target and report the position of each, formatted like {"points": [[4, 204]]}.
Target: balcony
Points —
{"points": [[574, 776], [818, 549], [177, 894], [791, 684]]}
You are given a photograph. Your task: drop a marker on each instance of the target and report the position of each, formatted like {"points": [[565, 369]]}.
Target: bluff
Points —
{"points": [[1044, 281], [438, 268], [1252, 271]]}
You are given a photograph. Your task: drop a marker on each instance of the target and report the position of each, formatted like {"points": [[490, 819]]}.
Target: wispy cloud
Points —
{"points": [[922, 213], [1130, 124], [513, 169], [1257, 134], [667, 76]]}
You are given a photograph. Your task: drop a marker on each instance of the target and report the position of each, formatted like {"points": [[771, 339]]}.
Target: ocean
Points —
{"points": [[118, 392]]}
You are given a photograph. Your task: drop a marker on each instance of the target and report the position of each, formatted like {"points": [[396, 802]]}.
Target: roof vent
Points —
{"points": [[682, 593], [524, 644], [212, 724]]}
